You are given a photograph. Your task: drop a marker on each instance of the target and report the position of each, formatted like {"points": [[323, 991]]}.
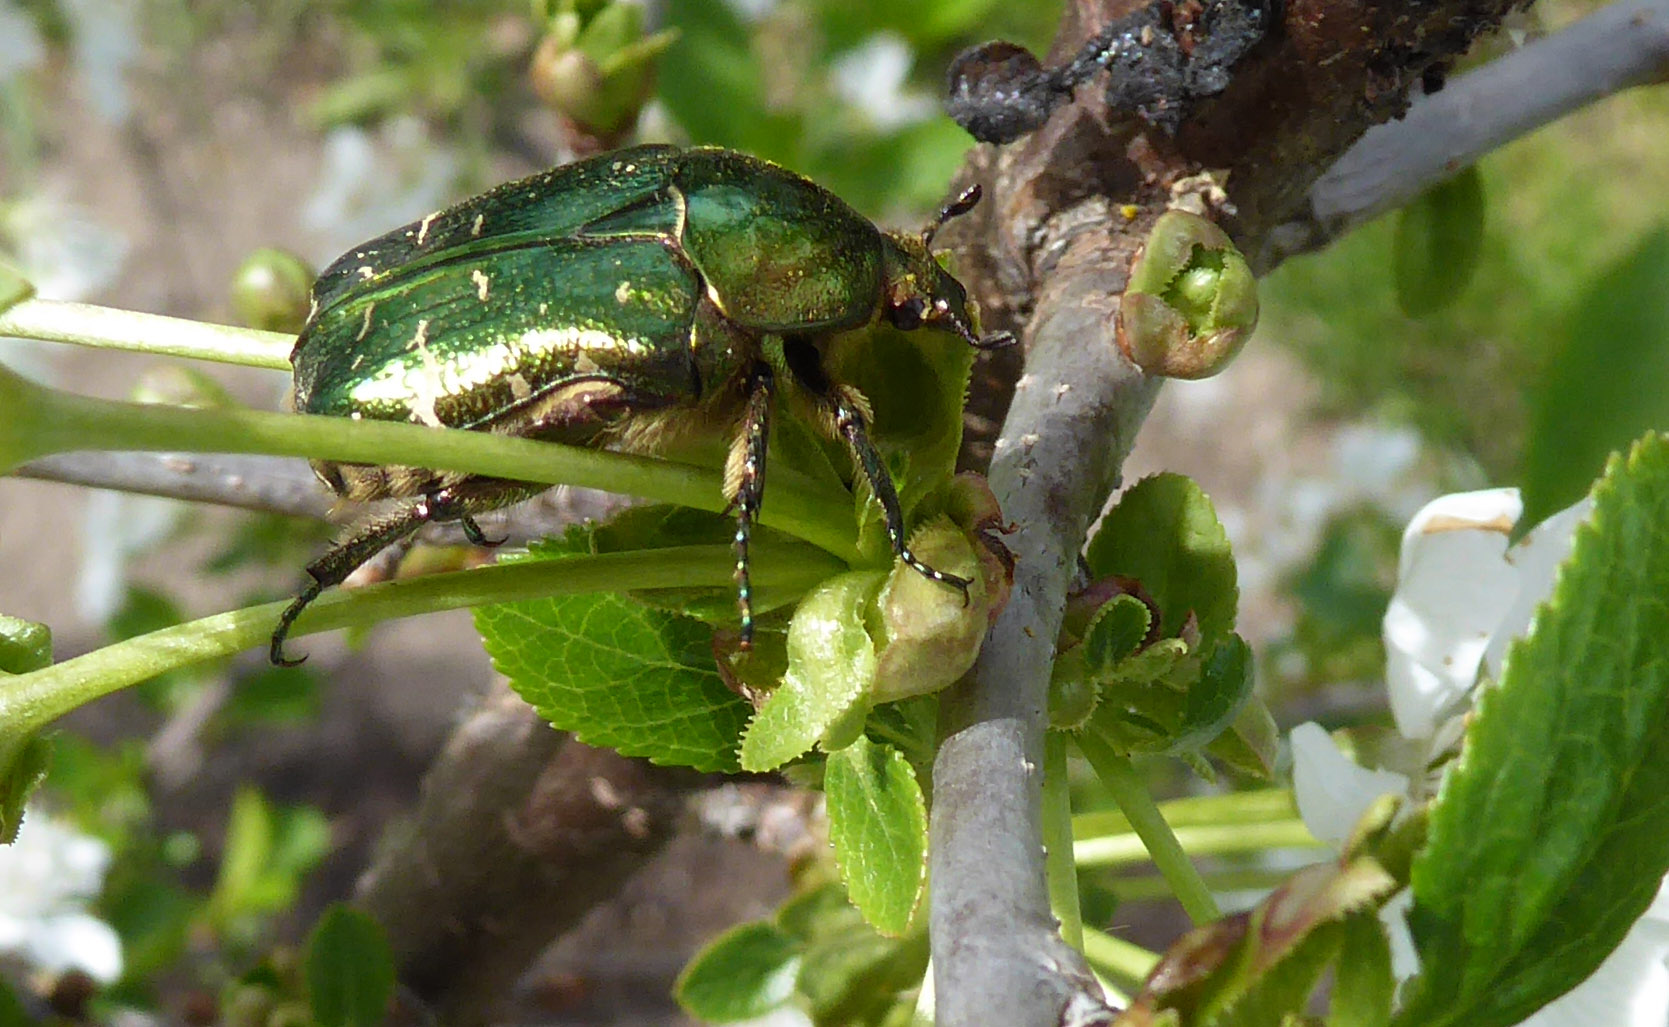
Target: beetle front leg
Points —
{"points": [[849, 413], [744, 482]]}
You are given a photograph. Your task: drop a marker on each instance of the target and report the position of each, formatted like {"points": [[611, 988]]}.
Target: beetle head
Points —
{"points": [[918, 291]]}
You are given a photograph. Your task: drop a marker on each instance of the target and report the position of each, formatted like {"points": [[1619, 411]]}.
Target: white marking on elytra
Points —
{"points": [[423, 227], [623, 292], [367, 271], [481, 281], [365, 326], [475, 228], [519, 388], [544, 308], [427, 386]]}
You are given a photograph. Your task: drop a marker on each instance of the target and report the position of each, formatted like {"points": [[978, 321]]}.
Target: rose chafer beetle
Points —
{"points": [[602, 303]]}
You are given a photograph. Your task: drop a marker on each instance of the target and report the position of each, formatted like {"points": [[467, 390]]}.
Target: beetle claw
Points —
{"points": [[477, 537]]}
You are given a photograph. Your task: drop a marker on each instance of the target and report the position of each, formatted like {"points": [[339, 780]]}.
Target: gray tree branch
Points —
{"points": [[1617, 48], [1067, 210]]}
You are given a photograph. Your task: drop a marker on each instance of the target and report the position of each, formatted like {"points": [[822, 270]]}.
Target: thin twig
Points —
{"points": [[283, 485]]}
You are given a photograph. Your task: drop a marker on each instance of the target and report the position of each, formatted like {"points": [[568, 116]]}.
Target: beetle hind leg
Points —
{"points": [[744, 482], [454, 503], [334, 567]]}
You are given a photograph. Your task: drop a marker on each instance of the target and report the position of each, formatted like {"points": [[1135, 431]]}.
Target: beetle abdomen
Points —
{"points": [[471, 343]]}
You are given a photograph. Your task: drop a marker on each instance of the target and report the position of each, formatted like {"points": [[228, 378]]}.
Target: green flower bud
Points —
{"points": [[271, 290], [1192, 301], [595, 66]]}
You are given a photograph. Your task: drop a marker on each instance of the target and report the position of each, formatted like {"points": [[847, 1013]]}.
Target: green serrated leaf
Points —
{"points": [[350, 969], [1439, 238], [1274, 997], [1251, 743], [1607, 381], [742, 974], [850, 974], [831, 663], [24, 646], [916, 383], [23, 764], [618, 674], [1216, 699], [1115, 632], [1362, 981], [1254, 969], [1166, 700], [1546, 840], [878, 826], [1165, 534]]}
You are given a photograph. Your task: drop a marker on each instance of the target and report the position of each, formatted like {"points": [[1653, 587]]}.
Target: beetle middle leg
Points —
{"points": [[744, 481], [454, 503], [847, 410]]}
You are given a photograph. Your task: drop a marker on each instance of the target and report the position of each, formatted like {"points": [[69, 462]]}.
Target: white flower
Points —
{"points": [[872, 77], [1462, 598], [105, 34], [21, 48], [47, 877], [117, 527]]}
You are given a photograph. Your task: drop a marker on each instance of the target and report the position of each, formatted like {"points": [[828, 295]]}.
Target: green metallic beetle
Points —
{"points": [[605, 302]]}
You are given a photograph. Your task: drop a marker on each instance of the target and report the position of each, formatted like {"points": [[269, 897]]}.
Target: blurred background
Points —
{"points": [[149, 147]]}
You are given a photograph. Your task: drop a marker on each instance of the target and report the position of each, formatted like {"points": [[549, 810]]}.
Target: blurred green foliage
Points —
{"points": [[1561, 207]]}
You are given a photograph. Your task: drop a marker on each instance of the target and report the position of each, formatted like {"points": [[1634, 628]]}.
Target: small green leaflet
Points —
{"points": [[878, 824]]}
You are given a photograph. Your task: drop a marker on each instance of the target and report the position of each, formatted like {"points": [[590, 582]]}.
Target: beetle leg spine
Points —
{"points": [[745, 482]]}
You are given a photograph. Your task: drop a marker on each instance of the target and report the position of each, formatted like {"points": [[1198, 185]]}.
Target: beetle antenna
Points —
{"points": [[954, 209]]}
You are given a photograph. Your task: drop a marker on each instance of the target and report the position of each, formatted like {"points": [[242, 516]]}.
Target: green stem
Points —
{"points": [[1153, 888], [1125, 965], [1131, 794], [1059, 868], [108, 328], [39, 421], [30, 701], [1203, 840], [1262, 806]]}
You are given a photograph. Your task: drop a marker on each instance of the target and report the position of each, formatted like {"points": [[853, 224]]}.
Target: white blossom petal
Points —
{"points": [[75, 941], [1332, 791], [1536, 558], [47, 876], [1453, 588]]}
